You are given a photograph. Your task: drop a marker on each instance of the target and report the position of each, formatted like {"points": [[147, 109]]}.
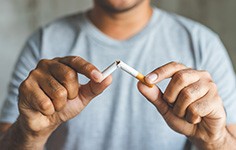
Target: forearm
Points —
{"points": [[227, 141], [17, 138]]}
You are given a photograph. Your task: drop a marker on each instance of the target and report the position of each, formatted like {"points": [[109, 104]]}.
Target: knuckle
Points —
{"points": [[24, 86], [60, 93], [34, 73], [75, 59], [56, 58], [176, 64], [56, 91], [167, 97], [87, 66], [193, 109], [186, 94], [193, 118], [180, 77], [42, 63], [55, 66], [190, 119], [177, 110], [161, 70], [45, 105], [213, 86], [206, 74], [196, 87], [59, 106], [70, 75]]}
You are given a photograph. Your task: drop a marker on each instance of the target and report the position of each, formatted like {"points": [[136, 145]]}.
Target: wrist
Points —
{"points": [[32, 138], [17, 137], [218, 142]]}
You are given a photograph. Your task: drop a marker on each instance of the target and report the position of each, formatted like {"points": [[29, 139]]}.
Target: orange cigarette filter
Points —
{"points": [[120, 64], [133, 72], [141, 78]]}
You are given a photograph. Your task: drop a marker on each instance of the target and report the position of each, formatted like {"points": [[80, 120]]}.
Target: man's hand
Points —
{"points": [[190, 104], [52, 94]]}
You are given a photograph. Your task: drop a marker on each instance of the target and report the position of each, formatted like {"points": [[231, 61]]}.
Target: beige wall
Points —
{"points": [[19, 18]]}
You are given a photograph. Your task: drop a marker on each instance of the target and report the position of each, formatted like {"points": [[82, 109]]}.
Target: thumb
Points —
{"points": [[92, 89], [154, 95]]}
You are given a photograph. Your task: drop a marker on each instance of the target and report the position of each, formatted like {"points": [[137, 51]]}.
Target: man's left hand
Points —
{"points": [[190, 104]]}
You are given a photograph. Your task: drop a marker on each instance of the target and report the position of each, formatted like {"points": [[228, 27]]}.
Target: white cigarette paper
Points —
{"points": [[134, 73], [109, 70], [120, 64], [128, 69]]}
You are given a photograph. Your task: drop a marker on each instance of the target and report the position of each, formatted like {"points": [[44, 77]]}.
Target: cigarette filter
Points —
{"points": [[120, 64], [133, 72]]}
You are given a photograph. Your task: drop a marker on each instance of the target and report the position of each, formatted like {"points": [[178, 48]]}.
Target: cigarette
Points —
{"points": [[120, 64], [133, 73], [109, 70]]}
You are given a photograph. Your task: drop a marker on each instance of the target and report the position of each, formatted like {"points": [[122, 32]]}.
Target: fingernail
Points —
{"points": [[151, 78], [96, 75]]}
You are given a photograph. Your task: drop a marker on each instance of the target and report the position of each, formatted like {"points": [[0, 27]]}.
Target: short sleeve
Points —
{"points": [[216, 61], [27, 61]]}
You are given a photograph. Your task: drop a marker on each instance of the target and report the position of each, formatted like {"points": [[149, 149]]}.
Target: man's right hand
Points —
{"points": [[51, 94]]}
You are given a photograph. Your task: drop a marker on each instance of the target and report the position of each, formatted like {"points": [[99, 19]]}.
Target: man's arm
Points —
{"points": [[191, 106], [15, 137], [230, 142], [4, 127], [232, 129], [50, 95]]}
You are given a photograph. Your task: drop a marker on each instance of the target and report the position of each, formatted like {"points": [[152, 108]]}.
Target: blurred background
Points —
{"points": [[19, 18]]}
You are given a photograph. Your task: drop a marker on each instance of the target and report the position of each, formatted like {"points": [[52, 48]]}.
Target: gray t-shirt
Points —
{"points": [[121, 118]]}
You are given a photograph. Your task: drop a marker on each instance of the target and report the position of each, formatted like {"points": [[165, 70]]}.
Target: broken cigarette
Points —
{"points": [[110, 69], [126, 68], [134, 73]]}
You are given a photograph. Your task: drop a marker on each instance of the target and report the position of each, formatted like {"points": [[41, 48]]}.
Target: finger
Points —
{"points": [[32, 97], [164, 72], [189, 95], [154, 95], [209, 106], [193, 118], [179, 81], [67, 77], [54, 90], [83, 67], [92, 89]]}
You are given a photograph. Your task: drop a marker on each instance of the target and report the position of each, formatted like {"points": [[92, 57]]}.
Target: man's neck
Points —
{"points": [[121, 26]]}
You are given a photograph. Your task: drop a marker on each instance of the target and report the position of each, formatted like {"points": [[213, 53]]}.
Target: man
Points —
{"points": [[190, 102]]}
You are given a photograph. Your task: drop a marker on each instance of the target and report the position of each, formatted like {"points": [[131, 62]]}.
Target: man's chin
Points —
{"points": [[118, 9]]}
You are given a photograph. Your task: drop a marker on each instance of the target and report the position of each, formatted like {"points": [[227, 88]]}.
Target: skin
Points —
{"points": [[191, 106], [125, 21], [120, 6], [48, 97]]}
